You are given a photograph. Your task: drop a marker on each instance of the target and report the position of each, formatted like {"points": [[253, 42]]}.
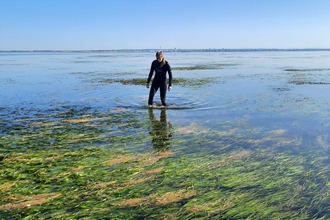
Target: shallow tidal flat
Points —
{"points": [[245, 136]]}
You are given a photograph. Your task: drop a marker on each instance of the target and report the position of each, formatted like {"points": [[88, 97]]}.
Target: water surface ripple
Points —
{"points": [[244, 135]]}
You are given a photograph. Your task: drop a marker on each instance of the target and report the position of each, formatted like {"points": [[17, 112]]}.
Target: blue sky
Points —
{"points": [[184, 24]]}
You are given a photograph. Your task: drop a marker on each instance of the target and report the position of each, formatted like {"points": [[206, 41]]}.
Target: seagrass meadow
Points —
{"points": [[245, 136]]}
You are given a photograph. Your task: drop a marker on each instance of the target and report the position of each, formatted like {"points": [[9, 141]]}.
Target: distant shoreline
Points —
{"points": [[165, 50]]}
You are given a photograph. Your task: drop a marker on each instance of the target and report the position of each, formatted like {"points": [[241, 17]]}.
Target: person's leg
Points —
{"points": [[163, 93], [152, 93]]}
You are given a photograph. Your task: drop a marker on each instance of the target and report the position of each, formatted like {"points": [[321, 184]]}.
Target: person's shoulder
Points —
{"points": [[154, 62]]}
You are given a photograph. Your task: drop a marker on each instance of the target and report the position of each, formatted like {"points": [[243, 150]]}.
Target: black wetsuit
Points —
{"points": [[159, 80]]}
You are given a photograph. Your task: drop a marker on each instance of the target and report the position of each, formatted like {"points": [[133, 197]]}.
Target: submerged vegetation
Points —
{"points": [[303, 78], [255, 147], [307, 70], [124, 165], [205, 67], [185, 82]]}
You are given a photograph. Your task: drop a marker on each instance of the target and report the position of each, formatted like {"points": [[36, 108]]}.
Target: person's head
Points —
{"points": [[160, 57]]}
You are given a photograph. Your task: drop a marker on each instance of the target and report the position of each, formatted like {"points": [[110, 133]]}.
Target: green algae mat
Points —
{"points": [[79, 164], [246, 137]]}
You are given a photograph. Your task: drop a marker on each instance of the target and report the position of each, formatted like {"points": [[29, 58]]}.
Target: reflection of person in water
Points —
{"points": [[161, 131]]}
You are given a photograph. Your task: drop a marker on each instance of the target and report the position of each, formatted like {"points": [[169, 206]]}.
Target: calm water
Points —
{"points": [[272, 90], [245, 136], [244, 83]]}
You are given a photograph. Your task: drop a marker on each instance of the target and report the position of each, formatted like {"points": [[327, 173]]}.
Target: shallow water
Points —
{"points": [[251, 107], [275, 90]]}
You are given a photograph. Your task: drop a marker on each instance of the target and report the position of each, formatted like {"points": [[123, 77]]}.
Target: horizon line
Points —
{"points": [[165, 49]]}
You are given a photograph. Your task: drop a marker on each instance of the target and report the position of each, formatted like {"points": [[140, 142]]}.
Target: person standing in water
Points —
{"points": [[160, 66]]}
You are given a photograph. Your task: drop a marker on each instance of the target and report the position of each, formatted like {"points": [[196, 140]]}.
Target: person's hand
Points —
{"points": [[169, 88], [147, 85]]}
